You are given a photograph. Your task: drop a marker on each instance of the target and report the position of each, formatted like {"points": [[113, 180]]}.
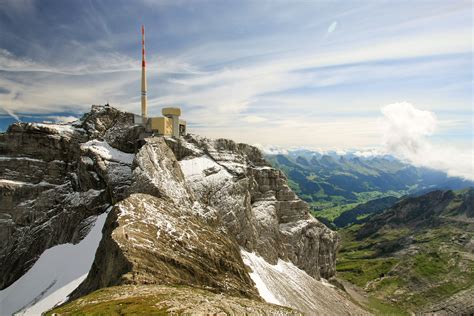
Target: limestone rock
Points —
{"points": [[156, 171], [255, 203], [112, 125], [53, 177], [148, 240]]}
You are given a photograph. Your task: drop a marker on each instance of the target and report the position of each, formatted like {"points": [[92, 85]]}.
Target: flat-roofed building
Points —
{"points": [[167, 125]]}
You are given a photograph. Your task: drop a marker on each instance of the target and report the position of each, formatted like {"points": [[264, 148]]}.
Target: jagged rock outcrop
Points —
{"points": [[148, 240], [52, 178], [117, 128], [184, 210], [157, 172], [255, 203]]}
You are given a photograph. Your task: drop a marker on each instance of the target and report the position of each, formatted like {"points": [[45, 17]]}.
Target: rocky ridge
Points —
{"points": [[54, 179], [183, 209]]}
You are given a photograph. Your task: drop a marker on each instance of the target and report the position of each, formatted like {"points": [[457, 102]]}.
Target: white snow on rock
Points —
{"points": [[104, 150], [232, 161], [207, 179], [198, 168], [18, 183], [287, 285], [64, 130], [57, 272], [20, 158]]}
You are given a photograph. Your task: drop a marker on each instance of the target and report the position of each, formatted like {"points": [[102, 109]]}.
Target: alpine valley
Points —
{"points": [[407, 233]]}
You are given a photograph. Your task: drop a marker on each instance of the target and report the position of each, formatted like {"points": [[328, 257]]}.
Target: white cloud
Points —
{"points": [[271, 150], [406, 131], [304, 89], [63, 119], [370, 152]]}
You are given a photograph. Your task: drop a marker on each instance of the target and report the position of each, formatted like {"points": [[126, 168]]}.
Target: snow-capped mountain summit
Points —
{"points": [[209, 216]]}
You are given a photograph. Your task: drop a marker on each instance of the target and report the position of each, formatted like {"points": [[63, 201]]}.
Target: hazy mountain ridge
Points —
{"points": [[334, 183]]}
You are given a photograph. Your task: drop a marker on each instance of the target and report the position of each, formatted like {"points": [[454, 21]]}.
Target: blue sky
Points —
{"points": [[290, 73]]}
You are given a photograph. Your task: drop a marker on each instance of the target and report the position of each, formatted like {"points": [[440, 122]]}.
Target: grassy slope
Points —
{"points": [[164, 300], [432, 266]]}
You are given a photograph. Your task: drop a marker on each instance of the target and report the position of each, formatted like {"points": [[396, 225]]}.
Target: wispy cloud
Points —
{"points": [[307, 74], [9, 112]]}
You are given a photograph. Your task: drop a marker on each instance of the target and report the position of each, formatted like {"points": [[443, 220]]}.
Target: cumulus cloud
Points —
{"points": [[271, 149], [406, 131]]}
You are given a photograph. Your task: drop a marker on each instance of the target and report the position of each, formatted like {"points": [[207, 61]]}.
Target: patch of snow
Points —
{"points": [[262, 288], [231, 160], [61, 129], [263, 168], [20, 158], [199, 168], [19, 183], [287, 285], [196, 166], [87, 160], [57, 272], [104, 150], [208, 180]]}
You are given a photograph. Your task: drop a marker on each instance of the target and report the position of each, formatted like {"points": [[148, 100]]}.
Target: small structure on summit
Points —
{"points": [[169, 124]]}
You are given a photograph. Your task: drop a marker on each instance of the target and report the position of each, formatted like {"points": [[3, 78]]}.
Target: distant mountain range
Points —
{"points": [[335, 183]]}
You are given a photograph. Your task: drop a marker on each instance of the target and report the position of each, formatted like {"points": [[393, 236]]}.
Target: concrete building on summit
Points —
{"points": [[169, 124]]}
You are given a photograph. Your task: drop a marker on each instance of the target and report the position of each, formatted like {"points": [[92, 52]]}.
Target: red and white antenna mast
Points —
{"points": [[143, 92]]}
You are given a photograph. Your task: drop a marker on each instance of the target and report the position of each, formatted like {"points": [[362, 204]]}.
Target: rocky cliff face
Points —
{"points": [[255, 204], [183, 210]]}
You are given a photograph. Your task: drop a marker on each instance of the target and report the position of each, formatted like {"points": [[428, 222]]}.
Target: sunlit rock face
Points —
{"points": [[149, 240], [255, 203]]}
